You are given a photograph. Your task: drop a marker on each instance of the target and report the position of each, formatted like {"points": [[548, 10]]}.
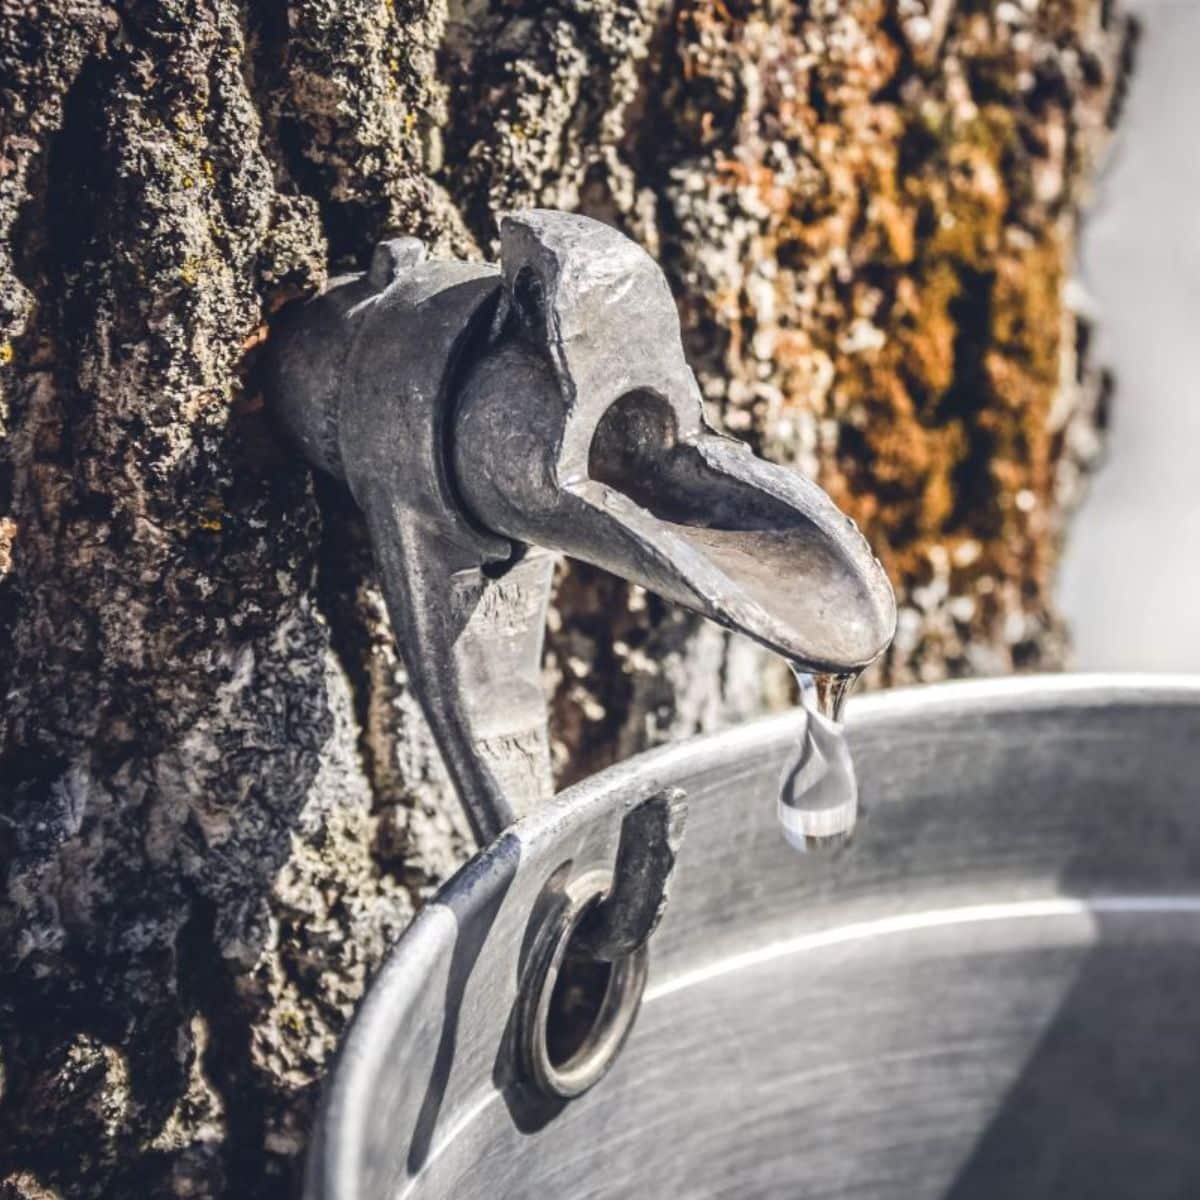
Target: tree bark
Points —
{"points": [[220, 802]]}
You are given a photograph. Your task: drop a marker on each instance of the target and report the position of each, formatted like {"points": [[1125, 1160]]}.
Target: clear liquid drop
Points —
{"points": [[827, 693], [818, 794]]}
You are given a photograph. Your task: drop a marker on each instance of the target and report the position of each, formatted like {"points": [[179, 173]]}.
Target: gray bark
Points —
{"points": [[219, 800]]}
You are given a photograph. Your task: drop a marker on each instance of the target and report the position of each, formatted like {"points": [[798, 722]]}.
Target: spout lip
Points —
{"points": [[871, 613], [837, 616]]}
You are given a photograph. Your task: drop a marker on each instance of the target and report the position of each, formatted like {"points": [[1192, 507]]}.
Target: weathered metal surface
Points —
{"points": [[582, 430], [651, 836], [361, 382], [991, 993], [483, 415]]}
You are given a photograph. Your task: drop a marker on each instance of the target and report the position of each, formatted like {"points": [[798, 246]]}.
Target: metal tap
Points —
{"points": [[486, 418]]}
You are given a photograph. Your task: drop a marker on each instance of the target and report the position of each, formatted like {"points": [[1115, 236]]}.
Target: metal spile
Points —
{"points": [[486, 417]]}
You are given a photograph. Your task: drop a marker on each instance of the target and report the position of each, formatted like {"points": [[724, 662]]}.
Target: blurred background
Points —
{"points": [[1130, 578]]}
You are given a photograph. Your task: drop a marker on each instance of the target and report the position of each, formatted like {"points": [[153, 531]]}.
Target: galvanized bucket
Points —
{"points": [[995, 991]]}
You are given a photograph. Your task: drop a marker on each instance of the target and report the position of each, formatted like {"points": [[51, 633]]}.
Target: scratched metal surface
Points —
{"points": [[991, 994]]}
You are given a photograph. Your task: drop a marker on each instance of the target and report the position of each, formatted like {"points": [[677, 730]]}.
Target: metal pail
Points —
{"points": [[994, 991]]}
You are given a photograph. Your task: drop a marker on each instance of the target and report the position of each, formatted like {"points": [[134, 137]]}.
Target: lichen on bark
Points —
{"points": [[219, 800]]}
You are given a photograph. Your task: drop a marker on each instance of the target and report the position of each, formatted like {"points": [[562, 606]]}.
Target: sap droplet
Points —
{"points": [[818, 794]]}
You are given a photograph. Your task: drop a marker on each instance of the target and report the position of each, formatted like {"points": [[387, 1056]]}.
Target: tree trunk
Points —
{"points": [[220, 802]]}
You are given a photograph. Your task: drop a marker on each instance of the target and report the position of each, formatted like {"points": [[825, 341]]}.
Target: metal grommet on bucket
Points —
{"points": [[579, 1009]]}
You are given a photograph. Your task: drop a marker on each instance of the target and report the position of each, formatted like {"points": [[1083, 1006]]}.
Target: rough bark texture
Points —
{"points": [[220, 803]]}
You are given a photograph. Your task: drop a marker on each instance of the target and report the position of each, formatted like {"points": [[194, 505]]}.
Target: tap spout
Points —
{"points": [[581, 430], [483, 416]]}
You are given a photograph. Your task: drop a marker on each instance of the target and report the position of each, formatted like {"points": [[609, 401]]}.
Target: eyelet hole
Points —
{"points": [[579, 1010], [575, 1006]]}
